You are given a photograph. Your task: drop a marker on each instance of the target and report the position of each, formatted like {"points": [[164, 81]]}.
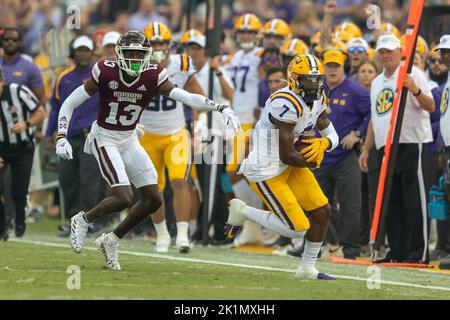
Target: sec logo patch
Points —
{"points": [[444, 101], [385, 100], [113, 85]]}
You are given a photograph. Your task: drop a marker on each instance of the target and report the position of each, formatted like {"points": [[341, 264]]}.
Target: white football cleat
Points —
{"points": [[78, 231], [312, 274], [236, 218], [183, 244], [110, 250], [162, 243]]}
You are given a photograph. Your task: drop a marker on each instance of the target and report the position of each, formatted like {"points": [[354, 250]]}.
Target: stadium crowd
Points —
{"points": [[359, 58]]}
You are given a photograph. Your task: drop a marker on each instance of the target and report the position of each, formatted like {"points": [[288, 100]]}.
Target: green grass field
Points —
{"points": [[36, 268]]}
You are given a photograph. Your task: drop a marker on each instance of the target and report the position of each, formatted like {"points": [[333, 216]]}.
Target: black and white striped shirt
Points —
{"points": [[17, 103]]}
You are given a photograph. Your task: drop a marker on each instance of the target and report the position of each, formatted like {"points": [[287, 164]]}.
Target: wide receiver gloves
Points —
{"points": [[63, 148], [230, 119], [316, 150]]}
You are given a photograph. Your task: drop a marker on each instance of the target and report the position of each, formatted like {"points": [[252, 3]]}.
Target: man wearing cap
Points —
{"points": [[357, 49], [349, 105], [437, 70], [109, 45], [79, 179], [406, 221]]}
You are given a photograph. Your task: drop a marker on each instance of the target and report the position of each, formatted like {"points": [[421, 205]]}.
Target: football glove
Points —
{"points": [[316, 150], [230, 119], [64, 149]]}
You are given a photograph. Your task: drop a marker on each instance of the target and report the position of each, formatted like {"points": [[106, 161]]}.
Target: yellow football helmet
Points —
{"points": [[386, 28], [336, 44], [160, 37], [421, 45], [189, 34], [244, 24], [248, 22], [291, 48], [306, 75], [277, 27], [349, 27], [342, 36]]}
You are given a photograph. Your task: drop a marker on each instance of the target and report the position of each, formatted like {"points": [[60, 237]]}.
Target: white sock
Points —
{"points": [[243, 192], [161, 228], [310, 254], [113, 237], [182, 229], [269, 221]]}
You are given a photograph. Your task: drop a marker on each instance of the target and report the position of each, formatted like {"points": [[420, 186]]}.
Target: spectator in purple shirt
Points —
{"points": [[79, 178], [339, 172]]}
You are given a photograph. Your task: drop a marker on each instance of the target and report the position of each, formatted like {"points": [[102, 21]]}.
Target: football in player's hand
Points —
{"points": [[299, 146]]}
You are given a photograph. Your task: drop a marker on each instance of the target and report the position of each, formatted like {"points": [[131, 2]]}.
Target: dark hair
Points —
{"points": [[372, 63], [19, 32], [273, 70]]}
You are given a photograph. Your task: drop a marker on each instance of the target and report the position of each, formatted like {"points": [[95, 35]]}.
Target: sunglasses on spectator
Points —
{"points": [[10, 39], [434, 60], [356, 50]]}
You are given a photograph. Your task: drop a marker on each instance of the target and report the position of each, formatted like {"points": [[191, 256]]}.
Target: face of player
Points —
{"points": [[311, 85], [445, 55], [246, 38], [437, 63], [418, 61], [134, 56], [335, 73], [389, 59], [272, 41], [11, 42], [366, 73], [160, 51], [276, 81], [83, 57]]}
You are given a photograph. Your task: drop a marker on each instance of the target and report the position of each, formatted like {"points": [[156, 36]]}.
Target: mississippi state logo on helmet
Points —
{"points": [[306, 75], [133, 53], [248, 23], [160, 38]]}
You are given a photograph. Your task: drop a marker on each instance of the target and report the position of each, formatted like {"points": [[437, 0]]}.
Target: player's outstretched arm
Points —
{"points": [[76, 98], [199, 102]]}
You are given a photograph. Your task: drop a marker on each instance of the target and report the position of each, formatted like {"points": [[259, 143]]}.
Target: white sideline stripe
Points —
{"points": [[239, 265]]}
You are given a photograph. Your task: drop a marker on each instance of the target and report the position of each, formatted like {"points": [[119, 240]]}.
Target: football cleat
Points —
{"points": [[312, 274], [110, 250], [183, 245], [162, 243], [236, 218], [78, 231]]}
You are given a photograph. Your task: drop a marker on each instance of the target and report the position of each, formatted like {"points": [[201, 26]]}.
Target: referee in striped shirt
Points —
{"points": [[19, 112]]}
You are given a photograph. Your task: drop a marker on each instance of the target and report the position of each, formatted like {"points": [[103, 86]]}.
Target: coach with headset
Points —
{"points": [[79, 178], [349, 106], [20, 111]]}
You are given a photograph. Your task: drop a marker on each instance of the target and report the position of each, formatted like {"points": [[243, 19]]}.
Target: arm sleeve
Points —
{"points": [[330, 133], [96, 73], [72, 102], [195, 101]]}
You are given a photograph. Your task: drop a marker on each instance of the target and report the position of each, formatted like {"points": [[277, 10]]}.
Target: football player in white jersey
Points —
{"points": [[166, 140], [279, 173], [243, 67], [126, 87]]}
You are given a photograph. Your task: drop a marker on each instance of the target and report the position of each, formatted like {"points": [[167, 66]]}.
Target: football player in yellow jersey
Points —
{"points": [[279, 173], [166, 140]]}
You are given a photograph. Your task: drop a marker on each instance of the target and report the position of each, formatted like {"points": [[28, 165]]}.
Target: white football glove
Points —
{"points": [[230, 119], [64, 149]]}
